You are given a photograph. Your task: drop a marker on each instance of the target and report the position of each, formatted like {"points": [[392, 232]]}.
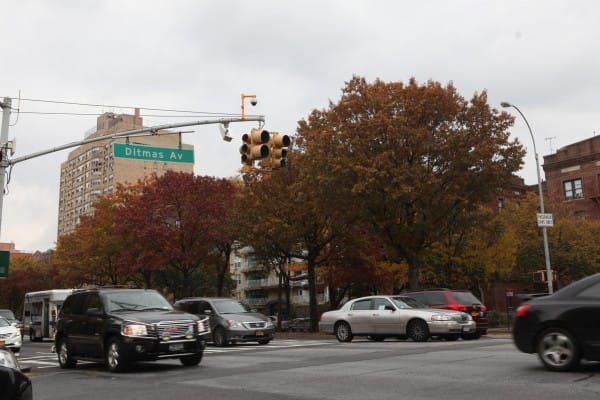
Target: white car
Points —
{"points": [[379, 317], [10, 335]]}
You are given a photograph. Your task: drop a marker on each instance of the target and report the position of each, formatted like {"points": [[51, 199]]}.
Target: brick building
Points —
{"points": [[573, 175]]}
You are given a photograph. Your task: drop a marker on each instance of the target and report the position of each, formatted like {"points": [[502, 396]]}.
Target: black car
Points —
{"points": [[562, 328], [14, 384], [121, 326], [231, 321]]}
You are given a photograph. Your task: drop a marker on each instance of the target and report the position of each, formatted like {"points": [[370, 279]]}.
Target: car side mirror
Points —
{"points": [[390, 308]]}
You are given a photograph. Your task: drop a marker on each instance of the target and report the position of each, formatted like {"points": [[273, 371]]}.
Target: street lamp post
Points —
{"points": [[541, 195]]}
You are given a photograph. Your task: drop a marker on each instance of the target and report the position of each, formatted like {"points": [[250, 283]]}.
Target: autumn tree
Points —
{"points": [[299, 211], [418, 159], [176, 224], [93, 253]]}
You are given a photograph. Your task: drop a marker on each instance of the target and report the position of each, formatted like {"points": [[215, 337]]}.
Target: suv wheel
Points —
{"points": [[557, 350], [115, 361], [190, 361], [64, 355], [418, 331], [219, 337]]}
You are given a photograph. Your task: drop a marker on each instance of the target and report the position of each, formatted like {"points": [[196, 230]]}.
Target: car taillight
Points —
{"points": [[522, 310], [457, 307], [483, 308]]}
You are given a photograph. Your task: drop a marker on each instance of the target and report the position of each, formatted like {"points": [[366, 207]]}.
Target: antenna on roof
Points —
{"points": [[549, 141]]}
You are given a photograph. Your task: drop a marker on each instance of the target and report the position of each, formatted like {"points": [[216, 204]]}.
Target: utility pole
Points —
{"points": [[5, 105]]}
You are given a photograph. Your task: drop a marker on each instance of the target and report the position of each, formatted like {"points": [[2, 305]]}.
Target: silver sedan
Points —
{"points": [[379, 317]]}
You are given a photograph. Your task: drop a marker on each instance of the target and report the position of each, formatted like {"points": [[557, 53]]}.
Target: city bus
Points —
{"points": [[40, 310]]}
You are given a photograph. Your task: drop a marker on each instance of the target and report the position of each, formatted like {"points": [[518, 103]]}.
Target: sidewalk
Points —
{"points": [[493, 333]]}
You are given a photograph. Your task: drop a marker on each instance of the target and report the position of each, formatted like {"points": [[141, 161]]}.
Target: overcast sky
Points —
{"points": [[543, 56]]}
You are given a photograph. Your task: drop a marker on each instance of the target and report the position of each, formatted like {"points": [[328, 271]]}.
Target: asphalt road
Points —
{"points": [[319, 367]]}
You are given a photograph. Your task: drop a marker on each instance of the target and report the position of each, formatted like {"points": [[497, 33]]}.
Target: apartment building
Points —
{"points": [[573, 175], [95, 169], [258, 285]]}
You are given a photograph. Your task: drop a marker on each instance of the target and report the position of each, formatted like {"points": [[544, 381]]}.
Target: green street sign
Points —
{"points": [[4, 258], [149, 153]]}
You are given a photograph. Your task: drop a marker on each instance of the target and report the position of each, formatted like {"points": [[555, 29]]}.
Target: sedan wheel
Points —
{"points": [[343, 333], [557, 350], [64, 355], [418, 331], [115, 361]]}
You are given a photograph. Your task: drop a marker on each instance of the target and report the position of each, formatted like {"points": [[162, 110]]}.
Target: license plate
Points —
{"points": [[2, 342], [466, 329], [259, 333], [176, 347], [475, 313]]}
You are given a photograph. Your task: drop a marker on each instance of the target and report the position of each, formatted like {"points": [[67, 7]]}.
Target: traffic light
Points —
{"points": [[254, 147], [277, 151]]}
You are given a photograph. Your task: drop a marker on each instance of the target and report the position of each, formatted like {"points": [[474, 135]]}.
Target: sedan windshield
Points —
{"points": [[407, 302], [4, 322]]}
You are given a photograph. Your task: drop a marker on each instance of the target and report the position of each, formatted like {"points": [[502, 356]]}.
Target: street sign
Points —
{"points": [[149, 153], [4, 259], [544, 220]]}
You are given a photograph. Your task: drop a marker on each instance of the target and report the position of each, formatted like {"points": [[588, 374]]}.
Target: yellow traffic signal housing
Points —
{"points": [[277, 151], [254, 147]]}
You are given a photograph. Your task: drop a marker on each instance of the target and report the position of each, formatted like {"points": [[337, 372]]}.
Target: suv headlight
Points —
{"points": [[269, 324], [133, 329], [203, 326]]}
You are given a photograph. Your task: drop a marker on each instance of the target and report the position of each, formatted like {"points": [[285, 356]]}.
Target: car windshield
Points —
{"points": [[407, 302], [231, 307], [7, 314], [4, 322], [136, 300]]}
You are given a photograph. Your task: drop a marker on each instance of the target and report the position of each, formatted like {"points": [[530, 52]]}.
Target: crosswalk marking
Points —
{"points": [[49, 359]]}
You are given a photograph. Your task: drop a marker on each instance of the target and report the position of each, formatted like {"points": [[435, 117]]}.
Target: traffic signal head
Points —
{"points": [[254, 147], [277, 151]]}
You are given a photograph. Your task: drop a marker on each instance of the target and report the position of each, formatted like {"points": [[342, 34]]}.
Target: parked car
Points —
{"points": [[10, 335], [457, 300], [14, 384], [121, 326], [231, 321], [379, 317], [10, 317], [562, 328], [299, 325]]}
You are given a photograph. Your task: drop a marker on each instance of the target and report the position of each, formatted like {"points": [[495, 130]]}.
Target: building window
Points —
{"points": [[573, 189]]}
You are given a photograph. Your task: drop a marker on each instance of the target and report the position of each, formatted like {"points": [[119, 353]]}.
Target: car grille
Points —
{"points": [[255, 325], [460, 317], [172, 329]]}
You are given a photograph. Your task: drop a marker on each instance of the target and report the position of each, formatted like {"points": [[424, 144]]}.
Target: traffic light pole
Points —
{"points": [[6, 105], [153, 130]]}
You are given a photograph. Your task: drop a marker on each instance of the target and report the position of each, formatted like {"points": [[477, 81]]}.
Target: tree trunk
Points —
{"points": [[413, 273], [312, 293]]}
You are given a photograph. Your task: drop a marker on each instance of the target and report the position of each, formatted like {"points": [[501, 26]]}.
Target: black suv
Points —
{"points": [[458, 300], [121, 326]]}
